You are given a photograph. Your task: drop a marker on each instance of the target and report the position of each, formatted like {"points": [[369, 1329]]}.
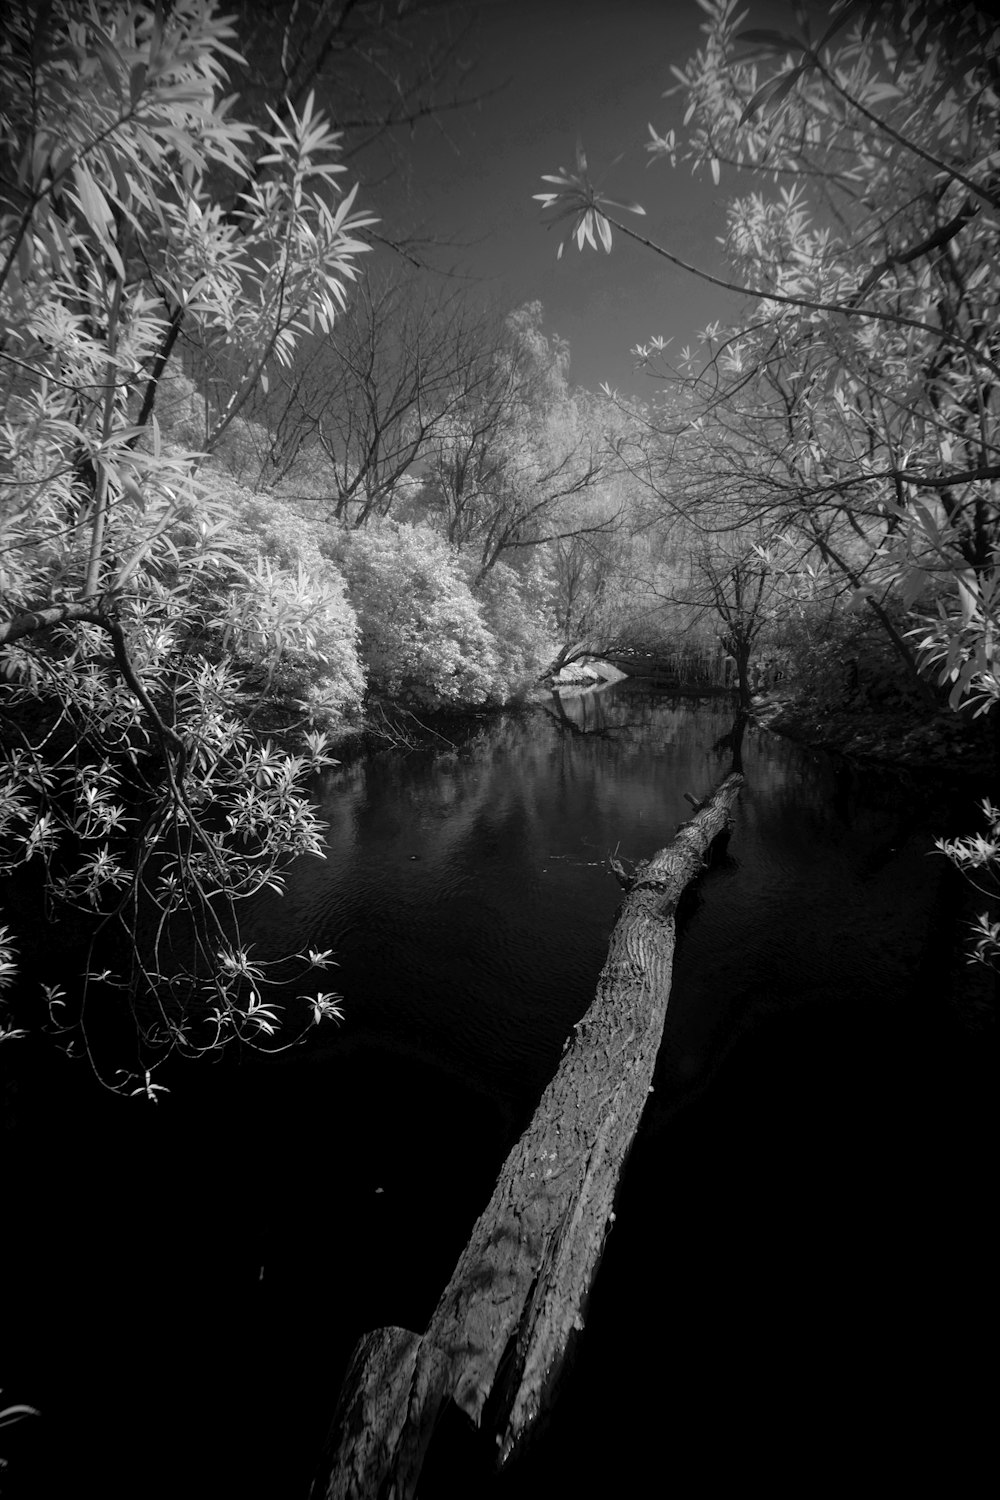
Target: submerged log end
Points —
{"points": [[552, 1330], [555, 1314], [370, 1417]]}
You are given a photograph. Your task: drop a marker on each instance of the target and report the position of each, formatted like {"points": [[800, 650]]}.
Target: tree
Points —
{"points": [[376, 70], [727, 455], [869, 250], [359, 408], [423, 635], [603, 572], [131, 774], [737, 587], [515, 450], [871, 269]]}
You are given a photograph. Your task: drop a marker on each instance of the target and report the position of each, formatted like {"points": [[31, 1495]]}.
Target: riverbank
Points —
{"points": [[589, 672], [944, 744], [388, 724]]}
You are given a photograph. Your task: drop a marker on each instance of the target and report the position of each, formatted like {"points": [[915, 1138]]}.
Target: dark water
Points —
{"points": [[797, 1285]]}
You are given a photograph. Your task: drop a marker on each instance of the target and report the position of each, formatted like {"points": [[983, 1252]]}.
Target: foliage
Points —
{"points": [[512, 604], [978, 856], [425, 413], [509, 460], [739, 588], [857, 406], [16, 1412], [290, 631], [858, 400], [376, 69], [606, 593], [423, 636], [131, 775], [839, 658], [422, 410], [884, 239], [360, 406]]}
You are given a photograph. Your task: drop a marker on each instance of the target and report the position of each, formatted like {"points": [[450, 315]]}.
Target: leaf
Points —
{"points": [[772, 92], [11, 1414], [913, 583], [132, 493], [109, 60], [92, 201], [629, 208]]}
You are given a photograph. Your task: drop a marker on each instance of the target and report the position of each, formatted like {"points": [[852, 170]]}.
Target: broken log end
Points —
{"points": [[370, 1418]]}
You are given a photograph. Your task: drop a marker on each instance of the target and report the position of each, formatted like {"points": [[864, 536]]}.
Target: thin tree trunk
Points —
{"points": [[744, 690], [501, 1330]]}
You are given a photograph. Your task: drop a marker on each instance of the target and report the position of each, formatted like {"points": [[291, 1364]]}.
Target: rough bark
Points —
{"points": [[46, 615], [502, 1327]]}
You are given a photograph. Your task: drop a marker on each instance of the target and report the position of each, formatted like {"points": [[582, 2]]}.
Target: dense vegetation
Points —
{"points": [[838, 449], [251, 493]]}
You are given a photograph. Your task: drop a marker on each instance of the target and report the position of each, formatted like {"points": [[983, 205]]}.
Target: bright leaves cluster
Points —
{"points": [[141, 217], [577, 199]]}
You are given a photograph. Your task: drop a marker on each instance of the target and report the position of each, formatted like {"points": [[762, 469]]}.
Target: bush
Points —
{"points": [[513, 607], [131, 778], [288, 623], [423, 636], [844, 659]]}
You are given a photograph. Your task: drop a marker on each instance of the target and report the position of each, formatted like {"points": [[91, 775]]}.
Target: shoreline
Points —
{"points": [[945, 744]]}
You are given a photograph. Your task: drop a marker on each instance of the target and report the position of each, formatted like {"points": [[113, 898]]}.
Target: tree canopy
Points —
{"points": [[856, 403], [846, 428]]}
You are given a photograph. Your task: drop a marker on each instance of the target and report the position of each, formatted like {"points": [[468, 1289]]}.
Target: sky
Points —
{"points": [[593, 70]]}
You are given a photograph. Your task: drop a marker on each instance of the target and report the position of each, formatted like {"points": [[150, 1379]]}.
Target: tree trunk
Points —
{"points": [[744, 690], [501, 1329]]}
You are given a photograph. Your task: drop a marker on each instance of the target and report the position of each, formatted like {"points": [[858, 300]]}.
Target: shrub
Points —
{"points": [[423, 636], [513, 607]]}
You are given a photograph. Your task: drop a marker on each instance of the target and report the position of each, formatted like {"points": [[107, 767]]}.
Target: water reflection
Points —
{"points": [[801, 1197], [468, 897]]}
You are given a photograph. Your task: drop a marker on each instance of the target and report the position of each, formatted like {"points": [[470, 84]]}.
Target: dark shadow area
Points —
{"points": [[796, 1283]]}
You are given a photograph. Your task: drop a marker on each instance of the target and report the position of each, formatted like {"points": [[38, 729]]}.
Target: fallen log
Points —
{"points": [[500, 1332]]}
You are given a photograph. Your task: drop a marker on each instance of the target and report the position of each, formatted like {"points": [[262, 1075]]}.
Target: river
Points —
{"points": [[796, 1278]]}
